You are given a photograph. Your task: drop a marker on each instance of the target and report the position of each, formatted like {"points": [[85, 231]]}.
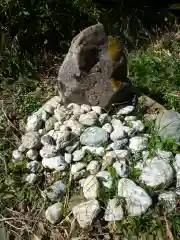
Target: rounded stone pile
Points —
{"points": [[90, 148]]}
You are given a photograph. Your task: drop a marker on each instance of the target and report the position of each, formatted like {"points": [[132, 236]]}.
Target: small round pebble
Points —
{"points": [[107, 127], [67, 158], [32, 154], [17, 155], [78, 155]]}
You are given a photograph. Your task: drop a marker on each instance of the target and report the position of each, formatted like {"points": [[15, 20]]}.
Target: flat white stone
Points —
{"points": [[138, 143], [121, 168], [56, 163], [86, 212], [114, 211], [138, 201], [54, 212], [125, 111], [106, 178], [91, 187], [77, 167], [78, 155], [93, 167]]}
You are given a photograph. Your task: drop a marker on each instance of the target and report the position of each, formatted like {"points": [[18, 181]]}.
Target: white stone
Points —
{"points": [[51, 104], [97, 109], [42, 131], [93, 167], [75, 126], [100, 151], [48, 151], [34, 123], [86, 212], [86, 108], [17, 155], [32, 166], [31, 178], [63, 138], [54, 213], [79, 175], [121, 168], [49, 124], [130, 118], [32, 154], [165, 155], [88, 119], [77, 167], [78, 155], [116, 123], [47, 140], [104, 118], [122, 154], [125, 111], [56, 163], [57, 125], [31, 140], [21, 148], [91, 187], [106, 178], [56, 193], [177, 163], [108, 159], [157, 172], [137, 125], [137, 200], [129, 131], [107, 127], [138, 143], [169, 200], [118, 145], [117, 134], [60, 113], [67, 158], [94, 137], [114, 211], [75, 108]]}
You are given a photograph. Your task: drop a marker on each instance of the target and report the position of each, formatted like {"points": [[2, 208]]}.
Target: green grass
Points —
{"points": [[155, 70]]}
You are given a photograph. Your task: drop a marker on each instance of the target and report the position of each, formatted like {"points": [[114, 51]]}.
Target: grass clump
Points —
{"points": [[155, 71]]}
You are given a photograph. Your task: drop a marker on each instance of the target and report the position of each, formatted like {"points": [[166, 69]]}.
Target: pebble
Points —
{"points": [[118, 145], [31, 140], [21, 148], [121, 168], [94, 137], [34, 123], [93, 167], [97, 109], [32, 154], [56, 163], [137, 125], [88, 119], [77, 167], [31, 178], [58, 190], [32, 166], [117, 134], [86, 108], [168, 200], [108, 159], [176, 164], [125, 111], [17, 155], [78, 155], [91, 187], [106, 178], [157, 173], [137, 200], [67, 158], [86, 212], [48, 151], [60, 113], [114, 211], [104, 118], [138, 143], [47, 140], [130, 118], [49, 124], [107, 127], [54, 213]]}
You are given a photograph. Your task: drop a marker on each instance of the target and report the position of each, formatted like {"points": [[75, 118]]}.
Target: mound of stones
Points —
{"points": [[90, 148]]}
